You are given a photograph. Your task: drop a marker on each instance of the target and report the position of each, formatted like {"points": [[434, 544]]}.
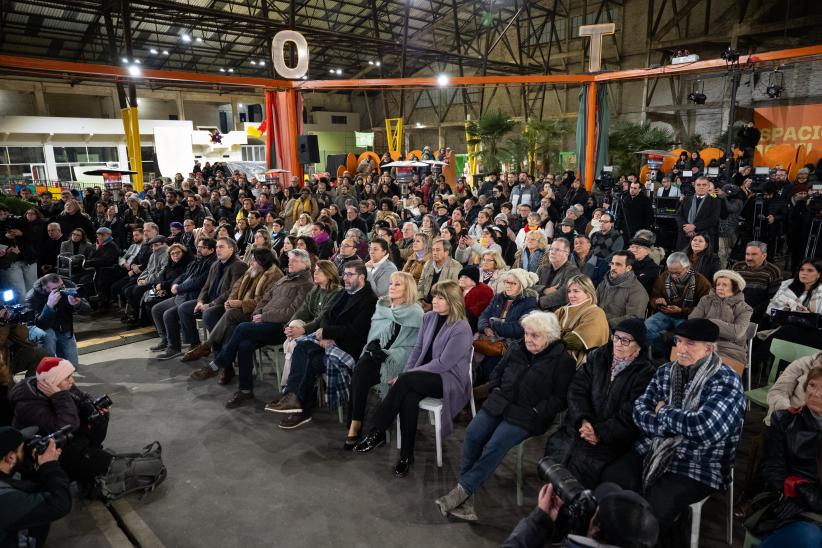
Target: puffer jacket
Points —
{"points": [[627, 299], [283, 299], [191, 281], [789, 389], [732, 315], [608, 405], [528, 390], [47, 413], [510, 328]]}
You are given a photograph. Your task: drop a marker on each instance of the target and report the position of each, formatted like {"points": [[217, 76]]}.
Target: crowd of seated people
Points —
{"points": [[558, 295]]}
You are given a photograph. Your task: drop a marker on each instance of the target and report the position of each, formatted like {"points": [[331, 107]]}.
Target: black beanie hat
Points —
{"points": [[698, 329], [470, 271], [635, 328]]}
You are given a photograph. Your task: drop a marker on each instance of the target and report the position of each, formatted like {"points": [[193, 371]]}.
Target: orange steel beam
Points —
{"points": [[713, 65], [118, 73], [121, 73], [590, 136]]}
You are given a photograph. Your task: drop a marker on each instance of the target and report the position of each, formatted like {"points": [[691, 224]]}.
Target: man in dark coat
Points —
{"points": [[636, 212], [699, 213], [345, 325], [102, 260], [599, 426]]}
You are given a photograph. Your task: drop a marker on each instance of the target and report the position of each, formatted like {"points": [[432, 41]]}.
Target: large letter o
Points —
{"points": [[278, 54]]}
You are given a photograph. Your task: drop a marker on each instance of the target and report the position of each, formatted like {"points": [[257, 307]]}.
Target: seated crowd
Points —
{"points": [[529, 296]]}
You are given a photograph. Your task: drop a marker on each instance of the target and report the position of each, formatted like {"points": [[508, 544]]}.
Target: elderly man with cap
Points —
{"points": [[51, 400], [599, 426], [102, 260], [690, 419], [29, 504], [623, 518]]}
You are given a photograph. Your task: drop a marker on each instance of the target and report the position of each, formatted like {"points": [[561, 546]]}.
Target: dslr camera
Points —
{"points": [[70, 292], [96, 406], [579, 503], [18, 313], [40, 443]]}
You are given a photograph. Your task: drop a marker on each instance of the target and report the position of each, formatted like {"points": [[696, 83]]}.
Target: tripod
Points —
{"points": [[813, 237]]}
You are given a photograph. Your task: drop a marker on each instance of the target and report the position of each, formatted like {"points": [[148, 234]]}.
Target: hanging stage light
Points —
{"points": [[776, 81]]}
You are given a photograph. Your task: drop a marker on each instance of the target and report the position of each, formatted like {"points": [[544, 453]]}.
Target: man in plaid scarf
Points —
{"points": [[690, 419]]}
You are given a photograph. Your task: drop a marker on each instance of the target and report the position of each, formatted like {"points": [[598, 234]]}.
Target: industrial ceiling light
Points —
{"points": [[124, 59], [305, 77], [261, 63], [697, 95], [378, 63], [370, 62], [134, 70], [199, 39], [730, 55], [253, 62], [231, 70], [331, 71], [165, 52], [153, 51], [776, 81], [222, 70], [339, 71], [185, 37], [442, 80], [137, 61]]}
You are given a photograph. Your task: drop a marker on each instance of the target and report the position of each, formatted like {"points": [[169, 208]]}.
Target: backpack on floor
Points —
{"points": [[132, 473]]}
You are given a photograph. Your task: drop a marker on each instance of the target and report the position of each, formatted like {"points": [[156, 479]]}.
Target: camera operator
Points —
{"points": [[807, 208], [620, 518], [28, 506], [54, 302], [770, 219], [50, 401]]}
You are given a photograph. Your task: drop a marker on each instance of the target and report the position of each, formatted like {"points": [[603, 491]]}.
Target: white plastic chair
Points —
{"points": [[434, 408], [696, 516]]}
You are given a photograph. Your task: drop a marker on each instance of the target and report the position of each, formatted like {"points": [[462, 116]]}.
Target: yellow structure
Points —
{"points": [[393, 134], [132, 129]]}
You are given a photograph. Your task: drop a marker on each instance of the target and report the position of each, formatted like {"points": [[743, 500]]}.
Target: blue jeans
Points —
{"points": [[487, 440], [800, 534], [655, 325], [62, 345], [248, 337]]}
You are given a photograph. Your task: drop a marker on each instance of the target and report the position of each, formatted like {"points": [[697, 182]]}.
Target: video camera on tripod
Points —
{"points": [[761, 175], [606, 182]]}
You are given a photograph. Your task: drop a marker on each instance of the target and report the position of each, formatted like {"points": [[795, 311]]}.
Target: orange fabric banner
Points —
{"points": [[790, 125]]}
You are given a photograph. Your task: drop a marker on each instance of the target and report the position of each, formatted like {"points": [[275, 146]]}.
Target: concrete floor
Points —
{"points": [[235, 479]]}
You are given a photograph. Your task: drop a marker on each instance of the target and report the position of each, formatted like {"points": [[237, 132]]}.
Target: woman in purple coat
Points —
{"points": [[437, 368]]}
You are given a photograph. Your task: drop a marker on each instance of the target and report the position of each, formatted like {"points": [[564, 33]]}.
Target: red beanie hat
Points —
{"points": [[54, 370]]}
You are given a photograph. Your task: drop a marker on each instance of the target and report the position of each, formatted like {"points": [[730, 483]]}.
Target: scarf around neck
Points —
{"points": [[685, 288], [681, 395], [617, 280]]}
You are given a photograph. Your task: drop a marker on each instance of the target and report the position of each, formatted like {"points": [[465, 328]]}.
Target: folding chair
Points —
{"points": [[781, 351], [434, 408]]}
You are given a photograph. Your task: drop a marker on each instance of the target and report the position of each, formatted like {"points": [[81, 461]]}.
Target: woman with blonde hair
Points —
{"points": [[262, 239], [492, 270], [584, 325], [391, 338], [420, 254], [437, 368]]}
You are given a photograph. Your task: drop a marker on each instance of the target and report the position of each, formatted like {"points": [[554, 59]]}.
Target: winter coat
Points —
{"points": [[605, 243], [608, 405], [787, 299], [646, 271], [348, 319], [280, 303], [191, 281], [450, 351], [379, 278], [313, 307], [789, 389], [409, 318], [531, 262], [508, 327], [477, 300], [232, 270], [707, 263], [59, 318], [706, 220], [529, 390], [47, 413], [628, 299], [172, 271], [77, 220], [637, 214], [703, 286], [250, 290], [415, 267], [450, 270], [586, 322], [732, 315], [103, 255], [558, 278], [156, 263], [791, 448]]}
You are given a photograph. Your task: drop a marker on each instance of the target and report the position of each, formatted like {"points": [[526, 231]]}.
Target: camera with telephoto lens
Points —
{"points": [[96, 406], [18, 313], [40, 443], [579, 503]]}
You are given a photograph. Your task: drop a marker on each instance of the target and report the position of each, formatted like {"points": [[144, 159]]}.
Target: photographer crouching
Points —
{"points": [[51, 401], [54, 301], [568, 514], [29, 504]]}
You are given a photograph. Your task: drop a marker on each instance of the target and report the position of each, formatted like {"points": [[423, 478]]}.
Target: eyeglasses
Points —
{"points": [[622, 341], [557, 250], [349, 274]]}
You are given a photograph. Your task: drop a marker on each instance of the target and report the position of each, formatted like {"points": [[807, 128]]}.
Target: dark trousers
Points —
{"points": [[122, 285], [306, 366], [403, 399], [134, 294], [366, 374], [669, 496], [248, 337]]}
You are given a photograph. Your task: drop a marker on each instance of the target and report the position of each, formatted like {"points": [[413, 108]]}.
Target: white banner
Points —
{"points": [[174, 152]]}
